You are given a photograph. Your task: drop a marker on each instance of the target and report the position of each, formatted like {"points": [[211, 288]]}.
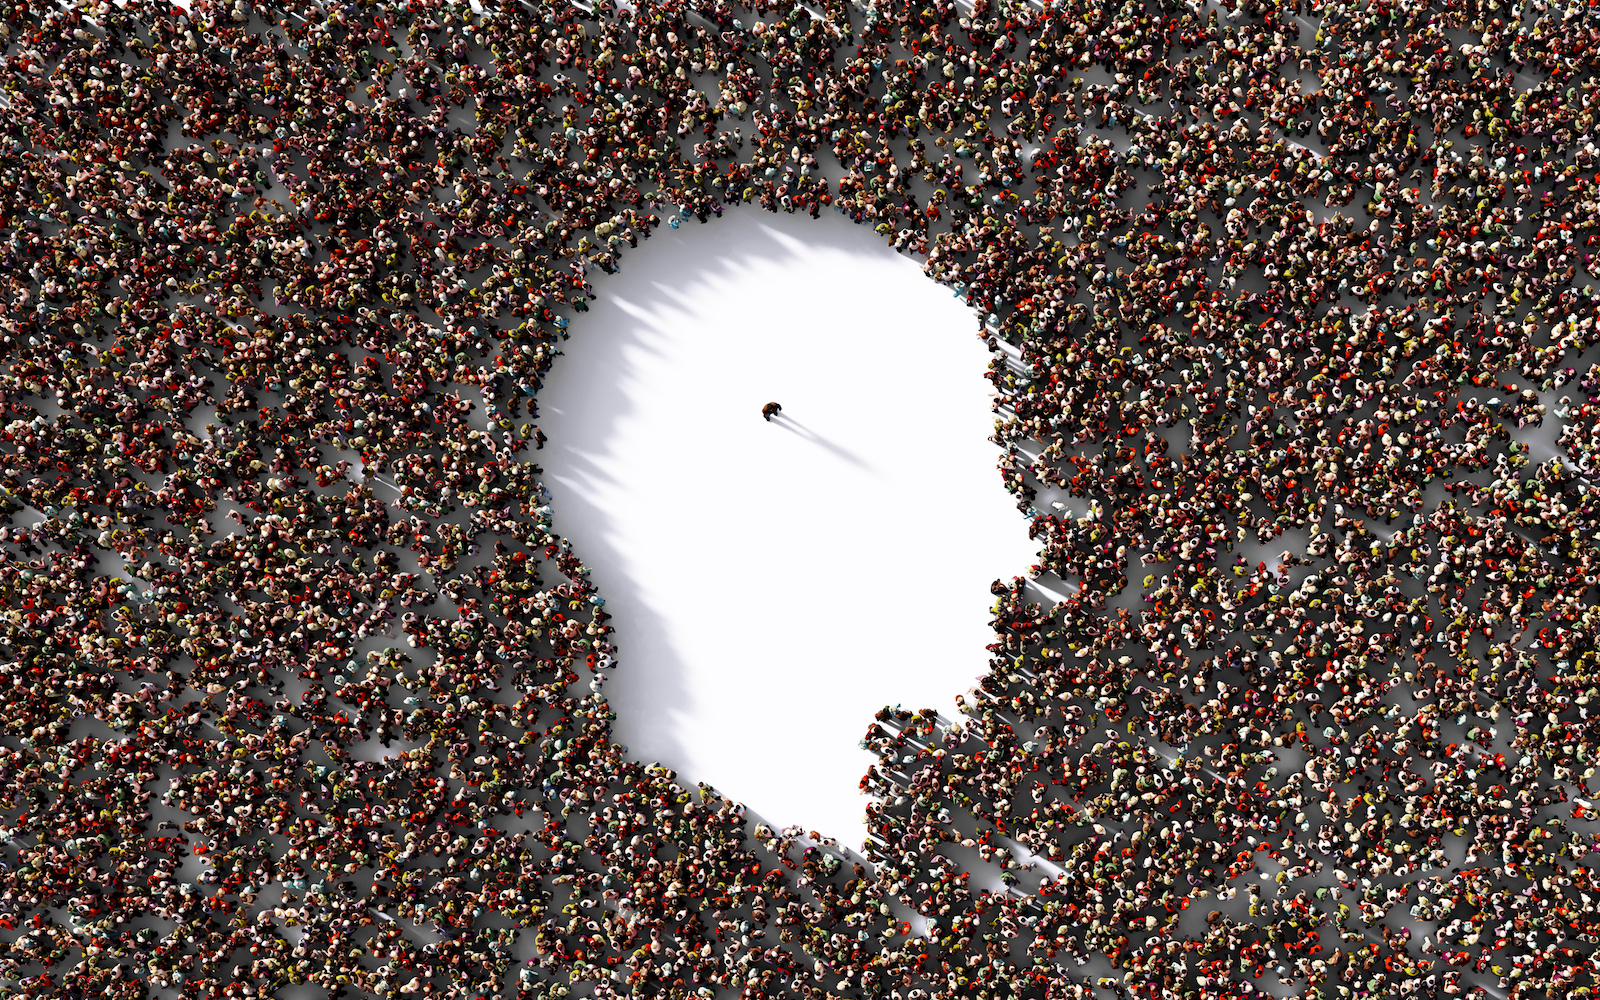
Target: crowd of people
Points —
{"points": [[1253, 275]]}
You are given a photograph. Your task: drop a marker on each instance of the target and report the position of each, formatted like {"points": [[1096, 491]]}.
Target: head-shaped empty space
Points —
{"points": [[774, 583]]}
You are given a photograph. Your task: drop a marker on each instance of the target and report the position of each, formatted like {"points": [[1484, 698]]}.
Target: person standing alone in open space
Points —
{"points": [[768, 411]]}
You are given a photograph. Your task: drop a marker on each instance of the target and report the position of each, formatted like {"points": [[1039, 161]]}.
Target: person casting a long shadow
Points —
{"points": [[791, 424]]}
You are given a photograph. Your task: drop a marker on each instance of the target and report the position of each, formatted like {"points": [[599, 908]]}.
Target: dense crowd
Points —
{"points": [[1260, 274]]}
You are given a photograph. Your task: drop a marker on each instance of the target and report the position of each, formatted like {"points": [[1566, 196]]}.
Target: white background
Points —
{"points": [[775, 584]]}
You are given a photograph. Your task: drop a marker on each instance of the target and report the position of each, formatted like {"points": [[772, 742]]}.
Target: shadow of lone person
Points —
{"points": [[790, 424]]}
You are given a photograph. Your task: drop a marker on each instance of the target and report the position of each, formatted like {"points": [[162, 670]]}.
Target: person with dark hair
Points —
{"points": [[769, 411]]}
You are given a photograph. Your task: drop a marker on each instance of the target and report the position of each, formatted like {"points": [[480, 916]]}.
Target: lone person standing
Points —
{"points": [[768, 410]]}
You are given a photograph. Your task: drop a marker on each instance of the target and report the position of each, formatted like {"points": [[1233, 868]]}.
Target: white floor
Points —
{"points": [[775, 584]]}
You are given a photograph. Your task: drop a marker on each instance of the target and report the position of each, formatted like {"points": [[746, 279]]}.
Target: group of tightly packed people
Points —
{"points": [[281, 283]]}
